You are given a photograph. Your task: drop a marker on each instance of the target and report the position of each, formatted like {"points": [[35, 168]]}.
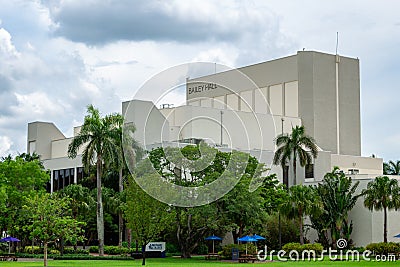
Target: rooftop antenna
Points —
{"points": [[337, 41]]}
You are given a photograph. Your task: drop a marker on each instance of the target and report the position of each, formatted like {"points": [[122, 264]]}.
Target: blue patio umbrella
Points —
{"points": [[247, 238], [398, 236], [213, 238], [9, 239], [258, 237]]}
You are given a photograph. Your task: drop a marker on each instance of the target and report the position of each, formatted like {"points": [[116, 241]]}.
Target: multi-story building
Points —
{"points": [[245, 109]]}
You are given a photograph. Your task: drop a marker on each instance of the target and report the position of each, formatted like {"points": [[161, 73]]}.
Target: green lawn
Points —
{"points": [[195, 262]]}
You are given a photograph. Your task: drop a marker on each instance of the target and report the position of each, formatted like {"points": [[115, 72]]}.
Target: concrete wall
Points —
{"points": [[365, 165], [151, 125], [318, 101], [241, 130], [42, 134], [238, 80]]}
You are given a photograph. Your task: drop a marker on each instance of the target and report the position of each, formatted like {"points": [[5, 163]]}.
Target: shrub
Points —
{"points": [[359, 249], [33, 250], [94, 249], [115, 250], [201, 249], [384, 248], [70, 250], [110, 250], [171, 248], [89, 257], [292, 246], [317, 247], [54, 252]]}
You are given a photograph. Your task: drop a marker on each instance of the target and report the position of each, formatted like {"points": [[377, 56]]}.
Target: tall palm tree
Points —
{"points": [[295, 146], [98, 136], [302, 201], [382, 193], [338, 195], [125, 140], [391, 168]]}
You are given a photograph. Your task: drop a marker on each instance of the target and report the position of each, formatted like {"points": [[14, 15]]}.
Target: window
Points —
{"points": [[62, 178], [309, 171], [55, 180]]}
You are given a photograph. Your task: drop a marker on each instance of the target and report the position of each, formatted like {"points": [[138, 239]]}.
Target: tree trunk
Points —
{"points": [[45, 254], [99, 210], [385, 225], [294, 169], [143, 254], [120, 219], [129, 237], [301, 230]]}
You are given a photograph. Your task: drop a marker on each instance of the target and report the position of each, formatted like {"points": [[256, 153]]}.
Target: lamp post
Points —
{"points": [[221, 127], [279, 213]]}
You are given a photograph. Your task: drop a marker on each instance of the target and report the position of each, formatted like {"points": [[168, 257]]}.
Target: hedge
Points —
{"points": [[317, 247], [384, 248], [111, 250], [89, 257]]}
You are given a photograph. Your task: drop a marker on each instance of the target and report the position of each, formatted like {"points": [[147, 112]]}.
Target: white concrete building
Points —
{"points": [[245, 109]]}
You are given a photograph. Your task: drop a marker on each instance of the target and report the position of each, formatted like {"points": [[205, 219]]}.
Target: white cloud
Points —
{"points": [[7, 49], [5, 145], [56, 57]]}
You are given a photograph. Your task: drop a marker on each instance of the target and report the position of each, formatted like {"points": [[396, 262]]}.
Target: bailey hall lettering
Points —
{"points": [[202, 88]]}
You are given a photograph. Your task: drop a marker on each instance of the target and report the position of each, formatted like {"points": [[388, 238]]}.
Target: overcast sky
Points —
{"points": [[56, 57]]}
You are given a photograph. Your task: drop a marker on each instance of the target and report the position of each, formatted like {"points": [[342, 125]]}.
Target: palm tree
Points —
{"points": [[302, 201], [382, 193], [391, 168], [125, 140], [98, 137], [295, 146], [338, 195]]}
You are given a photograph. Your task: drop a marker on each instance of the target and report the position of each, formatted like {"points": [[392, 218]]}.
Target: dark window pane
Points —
{"points": [[55, 180], [309, 171]]}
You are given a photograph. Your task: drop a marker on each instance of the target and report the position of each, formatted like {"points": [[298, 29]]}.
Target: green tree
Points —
{"points": [[382, 194], [293, 147], [98, 136], [244, 209], [302, 201], [50, 220], [19, 180], [238, 211], [81, 201], [391, 168], [338, 196], [146, 216]]}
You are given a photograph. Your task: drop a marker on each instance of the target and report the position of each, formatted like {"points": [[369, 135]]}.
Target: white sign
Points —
{"points": [[155, 246]]}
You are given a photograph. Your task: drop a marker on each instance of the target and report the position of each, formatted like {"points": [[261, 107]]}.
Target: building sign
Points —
{"points": [[201, 88], [155, 246]]}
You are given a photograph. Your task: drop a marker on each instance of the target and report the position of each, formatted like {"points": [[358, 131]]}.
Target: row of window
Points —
{"points": [[64, 177]]}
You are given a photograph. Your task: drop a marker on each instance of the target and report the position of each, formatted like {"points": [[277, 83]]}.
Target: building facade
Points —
{"points": [[245, 109]]}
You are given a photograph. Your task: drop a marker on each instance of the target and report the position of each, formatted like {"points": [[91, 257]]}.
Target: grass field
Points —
{"points": [[195, 262]]}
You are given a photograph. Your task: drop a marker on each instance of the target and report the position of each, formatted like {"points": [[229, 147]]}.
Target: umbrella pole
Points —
{"points": [[213, 246], [9, 247]]}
